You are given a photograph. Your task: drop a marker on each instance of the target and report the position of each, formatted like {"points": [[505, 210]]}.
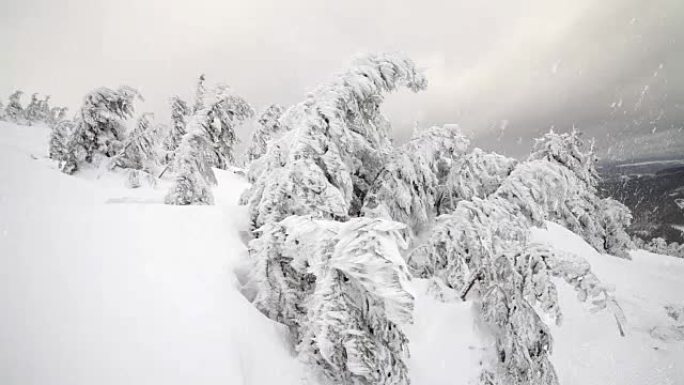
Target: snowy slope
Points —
{"points": [[122, 293], [106, 285]]}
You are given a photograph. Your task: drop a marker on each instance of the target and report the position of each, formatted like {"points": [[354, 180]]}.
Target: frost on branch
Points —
{"points": [[337, 130], [406, 188], [476, 174], [344, 290], [269, 127]]}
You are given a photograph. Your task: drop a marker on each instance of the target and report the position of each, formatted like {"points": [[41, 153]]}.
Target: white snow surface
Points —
{"points": [[101, 284]]}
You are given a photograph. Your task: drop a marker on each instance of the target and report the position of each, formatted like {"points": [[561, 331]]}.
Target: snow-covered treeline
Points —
{"points": [[342, 220], [37, 111]]}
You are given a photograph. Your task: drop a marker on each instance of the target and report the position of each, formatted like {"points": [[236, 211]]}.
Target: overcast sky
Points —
{"points": [[505, 70]]}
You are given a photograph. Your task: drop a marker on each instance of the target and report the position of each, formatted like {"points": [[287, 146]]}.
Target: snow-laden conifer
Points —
{"points": [[343, 288], [100, 126], [180, 113], [338, 134], [193, 174], [32, 111], [560, 178], [139, 146], [615, 219], [476, 174], [482, 250], [200, 94], [406, 189], [570, 151], [14, 111], [280, 282], [60, 135], [44, 109], [269, 126], [542, 190], [223, 112]]}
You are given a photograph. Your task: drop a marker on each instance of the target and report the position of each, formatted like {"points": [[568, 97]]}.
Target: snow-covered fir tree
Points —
{"points": [[615, 219], [482, 251], [343, 290], [269, 126], [179, 116], [280, 284], [32, 111], [59, 140], [570, 151], [200, 94], [193, 174], [476, 174], [569, 171], [406, 189], [224, 111], [100, 127], [44, 109], [335, 144], [139, 147], [14, 111]]}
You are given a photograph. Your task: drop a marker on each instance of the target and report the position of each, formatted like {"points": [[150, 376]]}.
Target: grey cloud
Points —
{"points": [[524, 65]]}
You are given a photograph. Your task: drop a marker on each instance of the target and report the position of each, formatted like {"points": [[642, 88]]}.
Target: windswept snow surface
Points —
{"points": [[101, 284], [588, 348], [123, 293]]}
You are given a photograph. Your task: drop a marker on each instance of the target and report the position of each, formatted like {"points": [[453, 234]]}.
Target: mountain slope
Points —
{"points": [[106, 285]]}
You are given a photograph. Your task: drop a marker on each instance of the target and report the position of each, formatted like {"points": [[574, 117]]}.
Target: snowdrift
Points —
{"points": [[107, 285]]}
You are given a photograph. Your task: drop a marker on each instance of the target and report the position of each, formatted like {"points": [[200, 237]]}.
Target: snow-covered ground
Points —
{"points": [[101, 284]]}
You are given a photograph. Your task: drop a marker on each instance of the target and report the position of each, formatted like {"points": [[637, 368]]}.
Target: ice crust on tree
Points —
{"points": [[14, 112]]}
